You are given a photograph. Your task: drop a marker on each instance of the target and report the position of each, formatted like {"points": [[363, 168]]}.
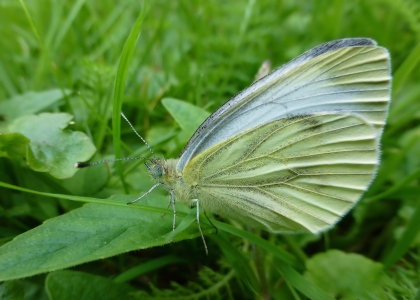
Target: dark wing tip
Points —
{"points": [[337, 44], [351, 42]]}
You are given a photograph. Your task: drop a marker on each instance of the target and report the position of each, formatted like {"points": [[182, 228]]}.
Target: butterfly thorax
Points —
{"points": [[165, 171]]}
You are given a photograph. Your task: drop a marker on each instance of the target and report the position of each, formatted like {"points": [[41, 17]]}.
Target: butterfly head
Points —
{"points": [[155, 168]]}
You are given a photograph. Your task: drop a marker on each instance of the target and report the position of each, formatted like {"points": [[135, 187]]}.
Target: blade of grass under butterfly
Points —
{"points": [[396, 187], [401, 247], [120, 80], [283, 255], [239, 262], [302, 284], [290, 274], [147, 267]]}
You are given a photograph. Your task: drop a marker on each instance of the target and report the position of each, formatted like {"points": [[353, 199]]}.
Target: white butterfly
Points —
{"points": [[294, 151]]}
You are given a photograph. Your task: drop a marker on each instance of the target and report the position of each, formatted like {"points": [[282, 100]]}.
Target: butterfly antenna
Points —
{"points": [[135, 131], [89, 164]]}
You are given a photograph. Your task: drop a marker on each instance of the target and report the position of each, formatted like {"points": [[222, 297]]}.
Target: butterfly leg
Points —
{"points": [[198, 223], [211, 222], [172, 193], [174, 209], [167, 206], [145, 194]]}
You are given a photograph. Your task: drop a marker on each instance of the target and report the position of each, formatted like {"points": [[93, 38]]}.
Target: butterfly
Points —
{"points": [[294, 151]]}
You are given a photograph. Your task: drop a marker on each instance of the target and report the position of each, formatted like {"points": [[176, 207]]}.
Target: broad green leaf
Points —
{"points": [[13, 145], [89, 233], [30, 103], [53, 149], [347, 276], [70, 285], [87, 181], [188, 116]]}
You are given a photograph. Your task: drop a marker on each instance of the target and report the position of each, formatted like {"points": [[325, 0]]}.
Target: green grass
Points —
{"points": [[87, 60]]}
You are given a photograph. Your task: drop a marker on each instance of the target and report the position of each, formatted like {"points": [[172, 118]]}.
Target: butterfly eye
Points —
{"points": [[155, 169]]}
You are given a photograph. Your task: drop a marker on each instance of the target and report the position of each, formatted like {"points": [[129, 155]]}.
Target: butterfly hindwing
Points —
{"points": [[301, 173]]}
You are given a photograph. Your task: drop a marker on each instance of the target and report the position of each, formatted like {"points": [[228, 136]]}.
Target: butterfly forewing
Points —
{"points": [[353, 80], [295, 174]]}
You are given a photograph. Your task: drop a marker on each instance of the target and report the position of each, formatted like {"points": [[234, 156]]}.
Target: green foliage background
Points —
{"points": [[65, 73]]}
